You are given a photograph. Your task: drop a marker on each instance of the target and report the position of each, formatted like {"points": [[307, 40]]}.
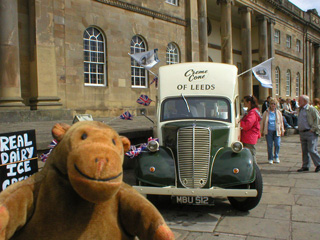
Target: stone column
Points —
{"points": [[263, 51], [307, 66], [44, 91], [192, 32], [309, 84], [203, 30], [316, 71], [246, 48], [226, 31], [304, 74], [10, 83], [271, 23]]}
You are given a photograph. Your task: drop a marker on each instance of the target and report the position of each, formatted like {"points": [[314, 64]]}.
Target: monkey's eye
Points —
{"points": [[114, 141], [84, 136]]}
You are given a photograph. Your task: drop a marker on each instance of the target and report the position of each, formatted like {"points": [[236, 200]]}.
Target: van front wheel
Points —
{"points": [[248, 203]]}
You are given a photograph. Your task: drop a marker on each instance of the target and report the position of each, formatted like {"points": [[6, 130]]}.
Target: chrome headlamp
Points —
{"points": [[153, 146], [237, 147]]}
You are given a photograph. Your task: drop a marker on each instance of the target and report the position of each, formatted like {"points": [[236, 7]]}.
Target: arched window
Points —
{"points": [[298, 85], [173, 2], [277, 73], [139, 77], [94, 57], [172, 55], [288, 83]]}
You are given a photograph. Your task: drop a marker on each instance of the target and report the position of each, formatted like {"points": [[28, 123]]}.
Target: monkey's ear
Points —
{"points": [[59, 130], [126, 143]]}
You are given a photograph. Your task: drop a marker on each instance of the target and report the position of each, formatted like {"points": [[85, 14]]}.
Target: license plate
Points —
{"points": [[194, 200]]}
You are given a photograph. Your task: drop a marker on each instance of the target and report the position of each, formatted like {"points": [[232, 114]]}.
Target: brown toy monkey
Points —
{"points": [[79, 194]]}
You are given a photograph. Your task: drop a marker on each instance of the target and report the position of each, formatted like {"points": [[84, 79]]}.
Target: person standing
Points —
{"points": [[294, 105], [273, 128], [308, 126], [265, 104], [316, 103], [250, 125]]}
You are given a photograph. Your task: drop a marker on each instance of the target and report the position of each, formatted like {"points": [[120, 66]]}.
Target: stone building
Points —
{"points": [[59, 55]]}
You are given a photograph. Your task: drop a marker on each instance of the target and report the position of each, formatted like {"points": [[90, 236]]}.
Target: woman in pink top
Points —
{"points": [[250, 125]]}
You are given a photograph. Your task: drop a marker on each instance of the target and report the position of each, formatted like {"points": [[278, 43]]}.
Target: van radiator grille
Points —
{"points": [[194, 156]]}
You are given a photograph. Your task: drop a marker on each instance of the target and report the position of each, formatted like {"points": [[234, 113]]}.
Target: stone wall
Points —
{"points": [[119, 25], [51, 48], [289, 59]]}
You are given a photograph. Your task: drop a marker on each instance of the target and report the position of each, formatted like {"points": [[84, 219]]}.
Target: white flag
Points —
{"points": [[263, 73], [266, 85], [146, 59]]}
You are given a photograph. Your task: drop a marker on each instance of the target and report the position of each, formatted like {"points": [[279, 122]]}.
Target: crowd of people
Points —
{"points": [[278, 115]]}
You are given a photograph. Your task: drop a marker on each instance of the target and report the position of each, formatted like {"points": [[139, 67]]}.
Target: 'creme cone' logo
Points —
{"points": [[196, 75]]}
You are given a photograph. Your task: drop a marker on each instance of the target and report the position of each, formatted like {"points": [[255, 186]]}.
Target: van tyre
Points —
{"points": [[248, 203]]}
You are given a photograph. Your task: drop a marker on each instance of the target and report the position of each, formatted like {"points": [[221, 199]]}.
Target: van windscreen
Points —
{"points": [[215, 108]]}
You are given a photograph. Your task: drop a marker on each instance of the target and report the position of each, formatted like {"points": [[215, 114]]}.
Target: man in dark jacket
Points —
{"points": [[265, 104]]}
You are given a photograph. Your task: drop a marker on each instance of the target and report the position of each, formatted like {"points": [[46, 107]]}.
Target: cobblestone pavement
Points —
{"points": [[289, 208]]}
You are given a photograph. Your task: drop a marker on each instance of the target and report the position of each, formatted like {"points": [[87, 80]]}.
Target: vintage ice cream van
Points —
{"points": [[199, 155]]}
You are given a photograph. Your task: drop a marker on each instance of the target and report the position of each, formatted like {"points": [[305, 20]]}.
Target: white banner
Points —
{"points": [[263, 73], [146, 59]]}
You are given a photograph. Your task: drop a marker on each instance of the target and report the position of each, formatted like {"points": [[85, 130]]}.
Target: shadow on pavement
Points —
{"points": [[278, 171]]}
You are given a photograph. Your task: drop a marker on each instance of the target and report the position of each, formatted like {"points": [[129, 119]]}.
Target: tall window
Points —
{"points": [[288, 83], [277, 73], [139, 76], [288, 41], [298, 85], [173, 2], [94, 57], [172, 55], [298, 45], [276, 36]]}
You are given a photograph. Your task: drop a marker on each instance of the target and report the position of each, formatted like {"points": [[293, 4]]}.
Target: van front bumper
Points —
{"points": [[208, 192]]}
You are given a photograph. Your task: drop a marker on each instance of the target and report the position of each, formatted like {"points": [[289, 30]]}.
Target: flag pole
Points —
{"points": [[244, 72], [151, 72]]}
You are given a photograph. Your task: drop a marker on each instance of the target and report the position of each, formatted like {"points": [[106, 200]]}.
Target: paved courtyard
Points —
{"points": [[289, 208]]}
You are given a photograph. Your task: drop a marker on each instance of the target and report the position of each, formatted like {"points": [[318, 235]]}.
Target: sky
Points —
{"points": [[307, 4]]}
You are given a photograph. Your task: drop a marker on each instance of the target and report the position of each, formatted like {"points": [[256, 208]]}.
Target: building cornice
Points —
{"points": [[144, 11], [284, 54], [312, 39], [307, 18]]}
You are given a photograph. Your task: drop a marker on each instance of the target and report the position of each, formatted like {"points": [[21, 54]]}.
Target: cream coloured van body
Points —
{"points": [[202, 80]]}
